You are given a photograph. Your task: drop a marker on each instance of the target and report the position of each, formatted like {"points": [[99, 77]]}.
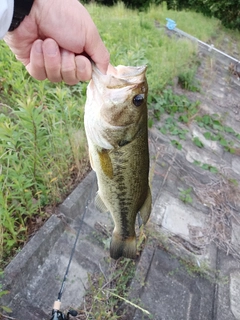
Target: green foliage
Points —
{"points": [[179, 108], [3, 293], [206, 166], [132, 39], [140, 5], [218, 131], [108, 290], [187, 81], [185, 195], [226, 11], [176, 144], [198, 142], [172, 104], [203, 270], [42, 145]]}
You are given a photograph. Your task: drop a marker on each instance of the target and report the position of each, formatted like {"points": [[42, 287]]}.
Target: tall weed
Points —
{"points": [[132, 39], [42, 146]]}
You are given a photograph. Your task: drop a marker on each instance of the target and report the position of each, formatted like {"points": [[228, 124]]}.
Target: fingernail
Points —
{"points": [[51, 48], [38, 47]]}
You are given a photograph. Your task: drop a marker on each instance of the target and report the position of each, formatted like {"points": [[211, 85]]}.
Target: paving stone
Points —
{"points": [[236, 235], [236, 164], [235, 293], [31, 257], [175, 216], [226, 265], [211, 145], [178, 218], [76, 203], [170, 293]]}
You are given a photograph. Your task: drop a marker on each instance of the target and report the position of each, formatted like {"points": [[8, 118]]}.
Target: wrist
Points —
{"points": [[21, 9]]}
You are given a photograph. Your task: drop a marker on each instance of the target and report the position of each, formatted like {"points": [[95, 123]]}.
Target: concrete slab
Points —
{"points": [[227, 290], [35, 275], [170, 292], [235, 293]]}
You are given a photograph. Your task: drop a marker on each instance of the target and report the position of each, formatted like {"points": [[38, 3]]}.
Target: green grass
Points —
{"points": [[132, 39], [204, 28], [107, 294], [42, 146], [42, 141]]}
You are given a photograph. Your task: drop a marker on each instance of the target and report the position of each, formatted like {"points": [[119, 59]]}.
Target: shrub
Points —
{"points": [[228, 12]]}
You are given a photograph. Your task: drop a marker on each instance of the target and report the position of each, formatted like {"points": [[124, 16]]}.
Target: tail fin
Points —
{"points": [[123, 247]]}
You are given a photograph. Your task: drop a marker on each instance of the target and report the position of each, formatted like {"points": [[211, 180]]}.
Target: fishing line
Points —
{"points": [[56, 313]]}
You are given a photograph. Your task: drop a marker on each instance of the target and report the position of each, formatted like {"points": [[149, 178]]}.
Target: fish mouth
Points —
{"points": [[125, 72], [120, 76]]}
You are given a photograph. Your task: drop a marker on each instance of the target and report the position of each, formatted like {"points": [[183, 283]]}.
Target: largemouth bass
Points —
{"points": [[117, 134]]}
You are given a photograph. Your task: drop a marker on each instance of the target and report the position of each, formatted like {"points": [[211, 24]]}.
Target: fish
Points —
{"points": [[116, 126]]}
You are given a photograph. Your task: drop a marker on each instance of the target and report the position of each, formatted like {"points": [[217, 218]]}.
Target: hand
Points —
{"points": [[55, 39]]}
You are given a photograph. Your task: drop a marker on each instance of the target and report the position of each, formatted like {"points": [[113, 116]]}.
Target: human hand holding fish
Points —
{"points": [[55, 40], [117, 133]]}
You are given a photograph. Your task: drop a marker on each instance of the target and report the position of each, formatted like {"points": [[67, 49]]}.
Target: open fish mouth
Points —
{"points": [[119, 77]]}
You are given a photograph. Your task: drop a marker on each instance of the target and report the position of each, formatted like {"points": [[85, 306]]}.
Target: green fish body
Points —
{"points": [[117, 133]]}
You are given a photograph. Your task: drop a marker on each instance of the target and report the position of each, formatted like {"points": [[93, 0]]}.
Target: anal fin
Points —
{"points": [[146, 207]]}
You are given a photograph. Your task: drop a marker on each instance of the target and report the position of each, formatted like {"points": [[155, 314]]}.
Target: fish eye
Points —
{"points": [[138, 100]]}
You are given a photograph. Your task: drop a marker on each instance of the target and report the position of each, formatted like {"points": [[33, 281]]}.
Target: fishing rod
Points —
{"points": [[56, 313]]}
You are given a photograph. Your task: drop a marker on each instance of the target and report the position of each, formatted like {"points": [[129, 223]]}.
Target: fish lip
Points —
{"points": [[138, 70], [117, 77], [131, 71]]}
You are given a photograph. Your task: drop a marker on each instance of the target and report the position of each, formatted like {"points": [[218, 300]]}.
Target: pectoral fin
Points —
{"points": [[106, 163], [146, 207]]}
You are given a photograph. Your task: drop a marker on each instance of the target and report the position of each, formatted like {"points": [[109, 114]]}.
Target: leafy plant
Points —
{"points": [[206, 166], [185, 195], [107, 291], [42, 148], [226, 11], [198, 142], [3, 293], [173, 104], [188, 81], [219, 131], [176, 144]]}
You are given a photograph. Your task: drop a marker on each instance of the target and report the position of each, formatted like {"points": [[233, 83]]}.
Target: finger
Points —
{"points": [[84, 68], [52, 60], [36, 66], [101, 57], [68, 67], [97, 51]]}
